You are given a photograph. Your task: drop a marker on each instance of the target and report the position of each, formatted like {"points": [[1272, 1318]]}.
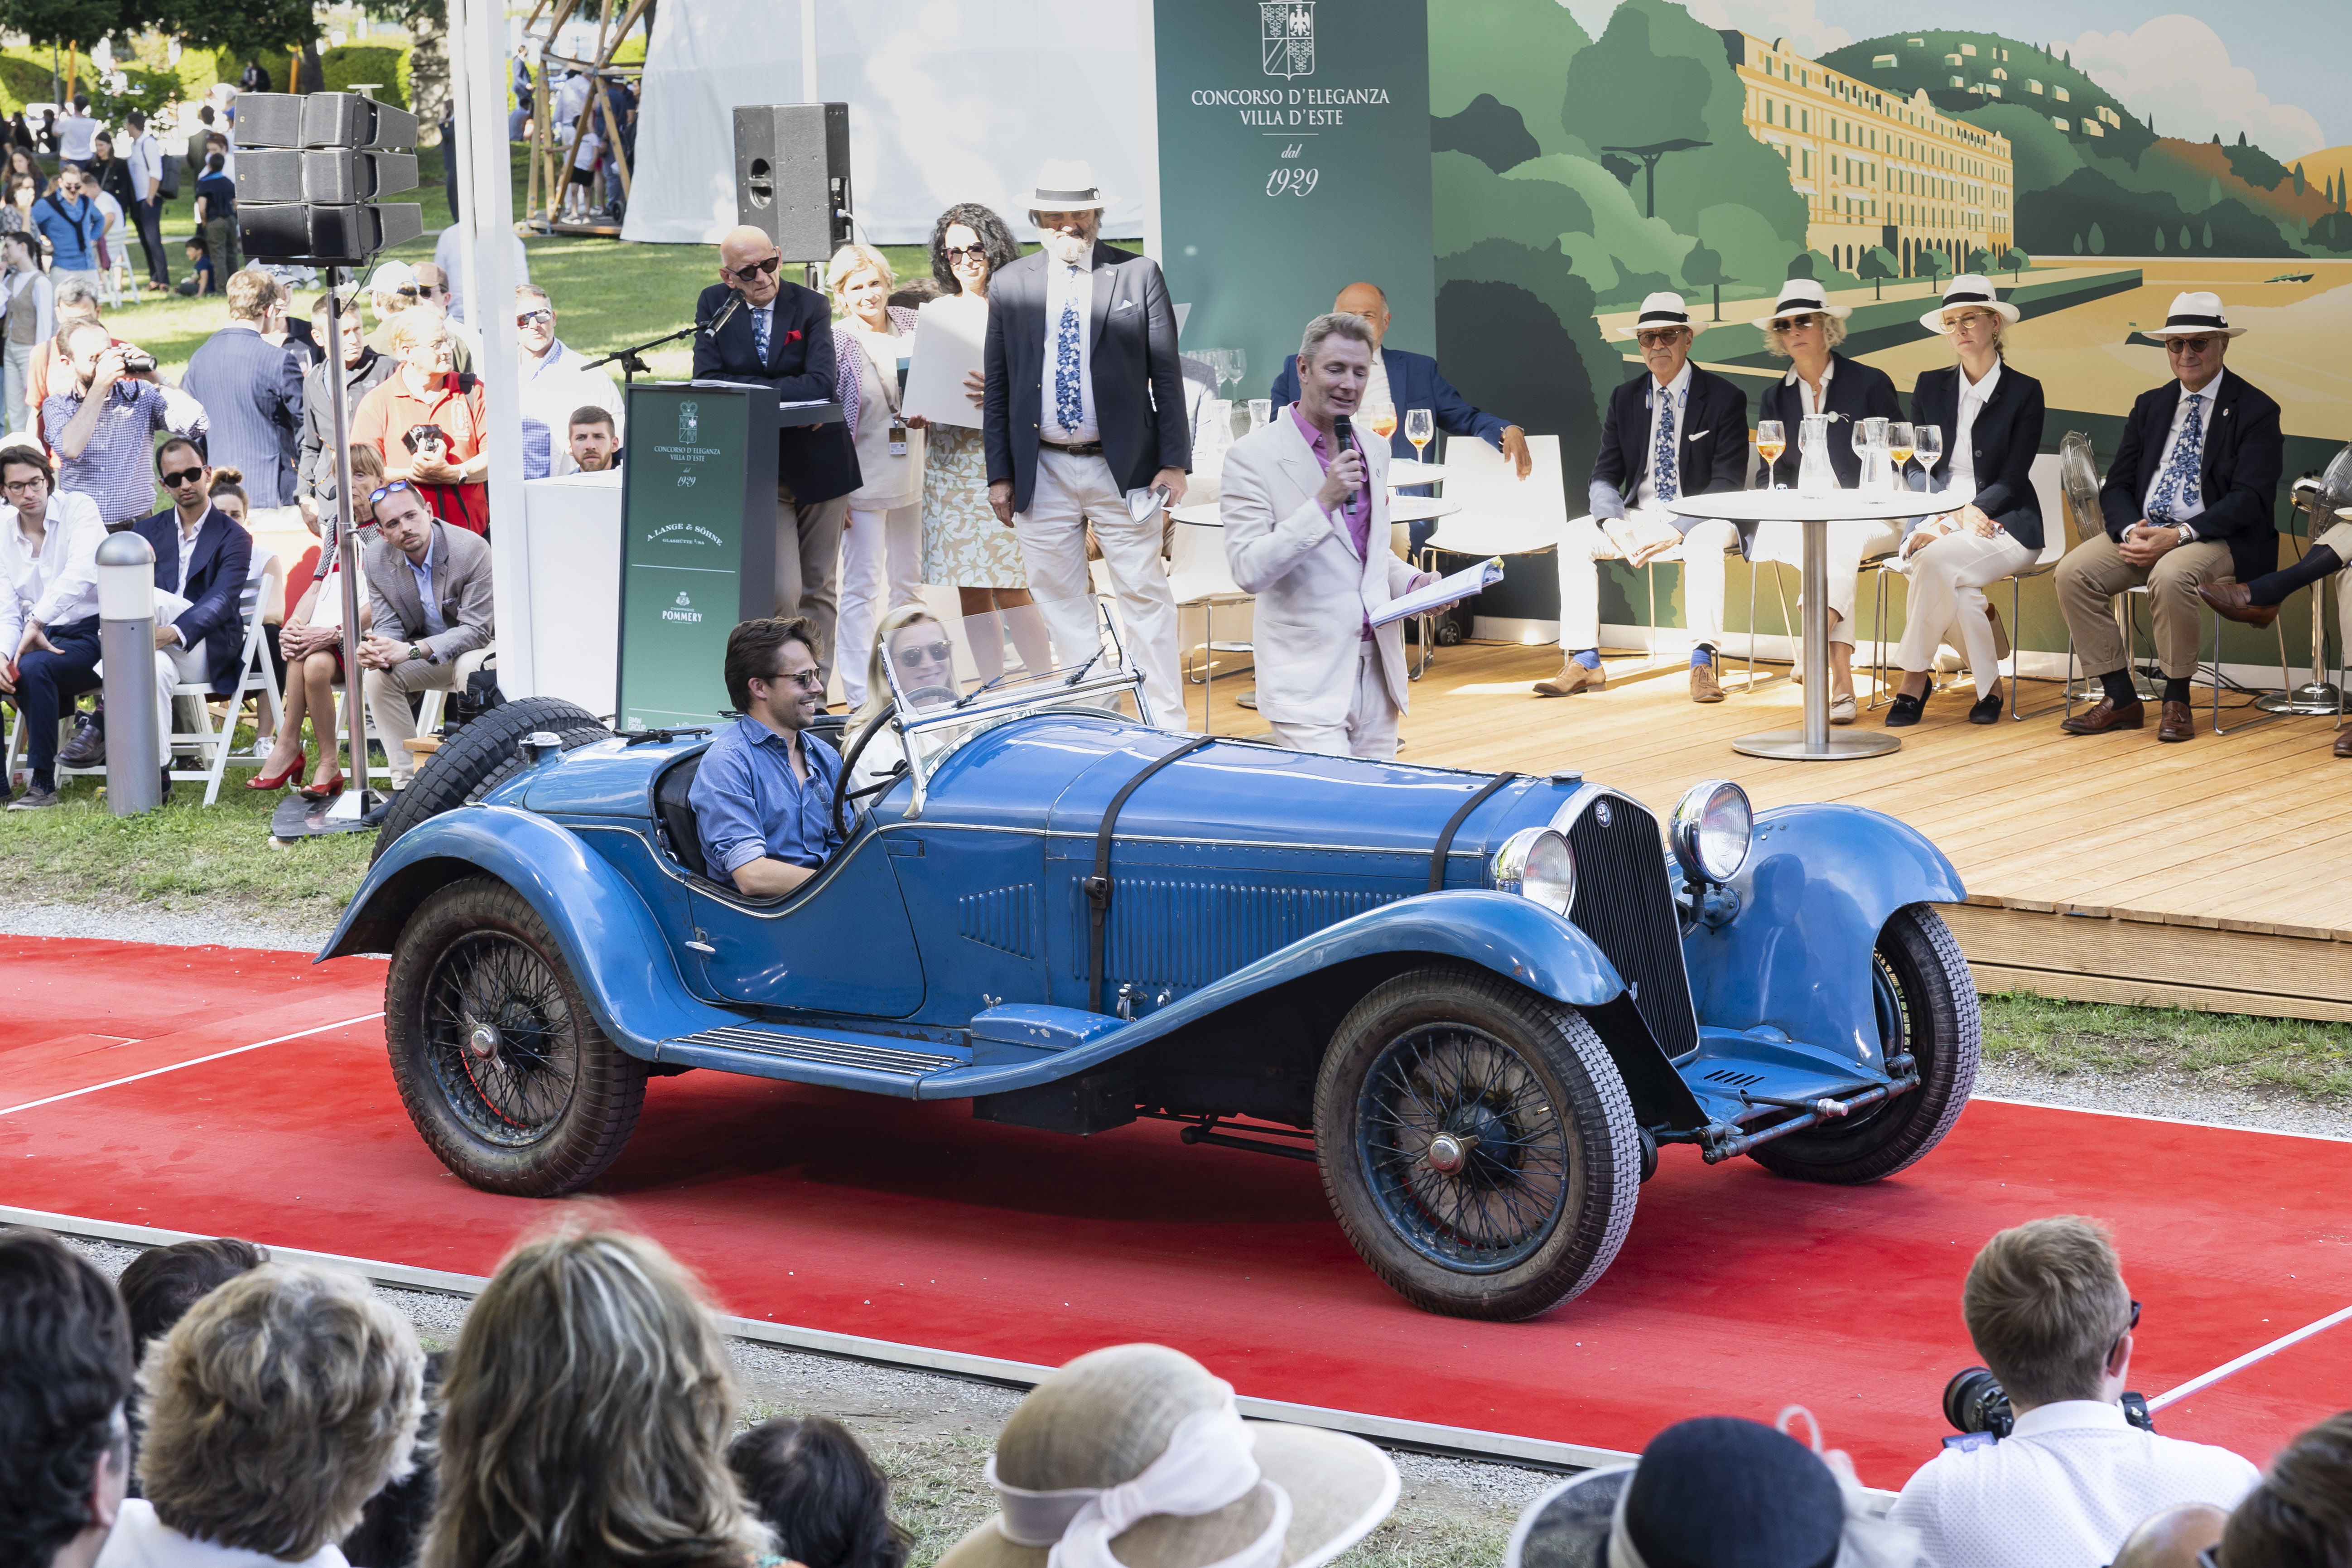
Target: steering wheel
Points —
{"points": [[849, 765]]}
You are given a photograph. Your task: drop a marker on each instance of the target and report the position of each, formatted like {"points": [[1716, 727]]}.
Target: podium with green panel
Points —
{"points": [[697, 543]]}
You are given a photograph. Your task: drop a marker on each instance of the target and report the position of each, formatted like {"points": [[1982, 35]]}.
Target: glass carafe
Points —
{"points": [[1815, 475], [1877, 467]]}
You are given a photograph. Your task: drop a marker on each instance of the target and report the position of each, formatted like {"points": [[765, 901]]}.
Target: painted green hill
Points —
{"points": [[1992, 70]]}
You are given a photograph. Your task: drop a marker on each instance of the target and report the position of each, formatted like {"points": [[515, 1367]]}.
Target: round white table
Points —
{"points": [[1815, 742], [1401, 508], [1405, 472]]}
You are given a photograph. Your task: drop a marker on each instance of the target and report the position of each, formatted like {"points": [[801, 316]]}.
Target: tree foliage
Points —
{"points": [[241, 27], [70, 24]]}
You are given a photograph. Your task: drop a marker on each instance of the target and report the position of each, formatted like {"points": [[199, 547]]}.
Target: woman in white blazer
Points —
{"points": [[1308, 532]]}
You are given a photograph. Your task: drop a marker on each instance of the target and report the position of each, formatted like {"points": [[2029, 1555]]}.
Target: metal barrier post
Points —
{"points": [[126, 641]]}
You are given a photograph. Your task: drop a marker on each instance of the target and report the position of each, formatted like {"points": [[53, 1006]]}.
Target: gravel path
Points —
{"points": [[124, 920]]}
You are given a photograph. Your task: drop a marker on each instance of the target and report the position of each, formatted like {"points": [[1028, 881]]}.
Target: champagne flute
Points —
{"points": [[1927, 445], [1772, 441], [1899, 441], [1421, 429], [1237, 363]]}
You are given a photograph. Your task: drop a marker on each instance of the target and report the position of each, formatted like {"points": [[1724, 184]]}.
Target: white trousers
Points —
{"points": [[881, 569], [1370, 729], [1700, 554], [174, 666], [1071, 492], [1946, 602], [1850, 545]]}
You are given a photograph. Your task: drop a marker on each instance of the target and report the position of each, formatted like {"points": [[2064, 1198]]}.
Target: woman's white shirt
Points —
{"points": [[139, 1540]]}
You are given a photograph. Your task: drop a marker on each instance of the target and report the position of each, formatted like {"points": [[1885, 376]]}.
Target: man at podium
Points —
{"points": [[755, 326]]}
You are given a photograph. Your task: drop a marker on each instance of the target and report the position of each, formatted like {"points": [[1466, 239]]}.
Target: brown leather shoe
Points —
{"points": [[2344, 743], [2177, 723], [2232, 602], [1572, 677], [1705, 688], [2102, 716]]}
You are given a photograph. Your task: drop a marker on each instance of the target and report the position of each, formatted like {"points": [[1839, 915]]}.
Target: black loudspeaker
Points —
{"points": [[791, 175]]}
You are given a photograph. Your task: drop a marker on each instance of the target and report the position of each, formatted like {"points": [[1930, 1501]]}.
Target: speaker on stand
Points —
{"points": [[791, 178]]}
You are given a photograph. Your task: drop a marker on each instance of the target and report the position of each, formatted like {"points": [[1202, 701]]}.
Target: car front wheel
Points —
{"points": [[1476, 1143], [501, 1063]]}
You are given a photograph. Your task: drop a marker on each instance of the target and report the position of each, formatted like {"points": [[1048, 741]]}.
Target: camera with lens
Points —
{"points": [[137, 361], [417, 437], [1978, 1407]]}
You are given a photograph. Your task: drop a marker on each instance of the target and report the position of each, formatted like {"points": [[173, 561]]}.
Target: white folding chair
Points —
{"points": [[1501, 514], [217, 746], [1200, 576]]}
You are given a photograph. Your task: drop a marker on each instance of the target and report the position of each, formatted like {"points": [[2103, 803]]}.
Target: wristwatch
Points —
{"points": [[417, 650]]}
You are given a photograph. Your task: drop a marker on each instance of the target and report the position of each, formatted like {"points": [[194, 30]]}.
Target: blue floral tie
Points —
{"points": [[1662, 462], [1069, 408], [760, 333], [2187, 470]]}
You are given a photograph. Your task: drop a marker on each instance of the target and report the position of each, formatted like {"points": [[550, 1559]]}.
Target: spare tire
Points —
{"points": [[480, 757]]}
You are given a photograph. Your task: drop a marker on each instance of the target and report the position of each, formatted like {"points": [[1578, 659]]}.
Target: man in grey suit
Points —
{"points": [[252, 391], [429, 592]]}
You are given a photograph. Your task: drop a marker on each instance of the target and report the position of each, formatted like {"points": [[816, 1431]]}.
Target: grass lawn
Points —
{"points": [[2309, 1061]]}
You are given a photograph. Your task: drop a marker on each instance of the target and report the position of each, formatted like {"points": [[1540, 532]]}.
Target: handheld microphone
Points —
{"points": [[734, 303], [1342, 438]]}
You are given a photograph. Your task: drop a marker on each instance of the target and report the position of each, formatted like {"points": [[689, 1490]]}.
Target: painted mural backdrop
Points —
{"points": [[1574, 170]]}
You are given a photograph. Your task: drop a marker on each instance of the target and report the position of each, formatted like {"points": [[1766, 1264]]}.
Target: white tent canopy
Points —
{"points": [[950, 100]]}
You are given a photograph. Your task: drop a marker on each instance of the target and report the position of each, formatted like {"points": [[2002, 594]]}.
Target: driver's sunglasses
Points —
{"points": [[1791, 323], [184, 477], [752, 274], [2187, 345], [807, 680], [528, 318], [376, 496], [926, 653]]}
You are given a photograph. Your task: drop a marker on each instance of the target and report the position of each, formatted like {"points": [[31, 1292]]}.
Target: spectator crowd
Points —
{"points": [[220, 1408]]}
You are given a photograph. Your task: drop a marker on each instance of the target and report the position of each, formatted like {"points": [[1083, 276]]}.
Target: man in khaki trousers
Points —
{"points": [[2189, 502]]}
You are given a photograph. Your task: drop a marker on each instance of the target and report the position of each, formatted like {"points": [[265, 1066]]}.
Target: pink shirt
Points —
{"points": [[1358, 511]]}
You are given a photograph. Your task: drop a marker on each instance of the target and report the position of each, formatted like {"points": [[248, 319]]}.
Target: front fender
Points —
{"points": [[1819, 883], [617, 955], [1501, 932]]}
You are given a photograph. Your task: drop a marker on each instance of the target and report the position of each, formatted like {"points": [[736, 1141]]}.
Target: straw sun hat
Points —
{"points": [[1134, 1455]]}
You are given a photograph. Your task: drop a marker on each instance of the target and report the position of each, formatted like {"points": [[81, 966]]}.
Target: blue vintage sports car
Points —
{"points": [[1478, 1001]]}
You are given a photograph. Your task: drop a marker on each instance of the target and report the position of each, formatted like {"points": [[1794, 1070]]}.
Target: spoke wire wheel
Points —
{"points": [[1461, 1144], [1476, 1143], [499, 1061], [1925, 1002], [498, 1037]]}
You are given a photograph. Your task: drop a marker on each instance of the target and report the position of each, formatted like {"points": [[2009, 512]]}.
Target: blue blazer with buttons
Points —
{"points": [[1856, 392], [2001, 444], [2244, 454], [814, 462], [218, 568], [1711, 451], [1413, 382]]}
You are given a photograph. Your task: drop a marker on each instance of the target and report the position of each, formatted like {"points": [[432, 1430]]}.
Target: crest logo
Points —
{"points": [[1286, 37], [1600, 809], [682, 599], [689, 422]]}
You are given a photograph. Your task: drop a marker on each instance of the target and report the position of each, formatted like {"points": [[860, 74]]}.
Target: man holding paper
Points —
{"points": [[1306, 511], [1674, 431]]}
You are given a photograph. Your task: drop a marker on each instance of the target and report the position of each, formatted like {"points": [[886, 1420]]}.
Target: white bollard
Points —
{"points": [[126, 643]]}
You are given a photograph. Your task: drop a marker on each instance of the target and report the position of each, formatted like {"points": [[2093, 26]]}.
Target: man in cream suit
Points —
{"points": [[1307, 530]]}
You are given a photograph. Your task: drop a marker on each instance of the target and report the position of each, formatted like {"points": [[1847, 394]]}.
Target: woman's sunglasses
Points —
{"points": [[955, 253], [926, 653], [1789, 323]]}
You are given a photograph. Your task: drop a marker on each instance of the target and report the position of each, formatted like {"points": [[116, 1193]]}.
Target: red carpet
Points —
{"points": [[1737, 1292]]}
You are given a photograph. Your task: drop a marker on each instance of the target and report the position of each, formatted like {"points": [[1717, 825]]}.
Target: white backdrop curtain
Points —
{"points": [[950, 100]]}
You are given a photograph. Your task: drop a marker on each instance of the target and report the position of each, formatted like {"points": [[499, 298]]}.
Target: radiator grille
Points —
{"points": [[1005, 919], [1622, 902], [1184, 933]]}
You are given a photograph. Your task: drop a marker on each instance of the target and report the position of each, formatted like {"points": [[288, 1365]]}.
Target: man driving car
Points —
{"points": [[762, 798]]}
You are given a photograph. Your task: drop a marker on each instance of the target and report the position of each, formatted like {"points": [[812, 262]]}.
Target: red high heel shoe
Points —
{"points": [[277, 780], [322, 792]]}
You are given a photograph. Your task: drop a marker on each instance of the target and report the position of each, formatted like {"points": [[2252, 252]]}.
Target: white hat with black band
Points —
{"points": [[2194, 315], [1661, 309], [1065, 185], [1800, 297], [1969, 289]]}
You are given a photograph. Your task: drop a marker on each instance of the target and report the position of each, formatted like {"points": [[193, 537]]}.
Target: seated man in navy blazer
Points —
{"points": [[758, 327], [2189, 500], [202, 559], [1674, 431], [1403, 380]]}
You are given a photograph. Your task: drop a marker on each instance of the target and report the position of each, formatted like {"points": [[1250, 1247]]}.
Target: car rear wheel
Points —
{"points": [[1476, 1143], [499, 1061], [1926, 1006]]}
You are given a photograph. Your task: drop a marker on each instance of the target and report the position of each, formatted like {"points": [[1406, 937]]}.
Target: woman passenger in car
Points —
{"points": [[912, 639]]}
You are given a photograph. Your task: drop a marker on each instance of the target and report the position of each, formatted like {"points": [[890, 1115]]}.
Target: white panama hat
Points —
{"points": [[2193, 315], [1969, 289], [1065, 185], [1661, 309], [1800, 296]]}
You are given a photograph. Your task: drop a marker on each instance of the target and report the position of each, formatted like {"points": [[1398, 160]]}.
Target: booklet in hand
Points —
{"points": [[1473, 579]]}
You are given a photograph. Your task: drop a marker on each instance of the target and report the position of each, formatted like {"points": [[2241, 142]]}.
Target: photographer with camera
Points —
{"points": [[426, 421], [2063, 1486], [104, 426]]}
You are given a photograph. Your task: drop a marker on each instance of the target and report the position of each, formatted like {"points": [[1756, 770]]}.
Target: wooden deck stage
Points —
{"points": [[2215, 875]]}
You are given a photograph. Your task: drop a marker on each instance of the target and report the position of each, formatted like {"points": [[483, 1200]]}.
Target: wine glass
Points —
{"points": [[1421, 429], [1381, 420], [1927, 445], [1899, 439], [1219, 362], [1237, 364], [1772, 441]]}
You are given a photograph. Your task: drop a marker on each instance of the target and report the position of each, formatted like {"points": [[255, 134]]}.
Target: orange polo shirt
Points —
{"points": [[390, 411]]}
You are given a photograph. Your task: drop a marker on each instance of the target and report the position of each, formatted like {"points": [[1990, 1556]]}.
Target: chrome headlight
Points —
{"points": [[1535, 863], [1713, 824]]}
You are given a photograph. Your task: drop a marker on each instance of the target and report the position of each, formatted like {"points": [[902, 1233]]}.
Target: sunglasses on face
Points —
{"points": [[1791, 323], [807, 680], [184, 477], [530, 318], [1659, 340], [2187, 345], [925, 653], [753, 273], [955, 253]]}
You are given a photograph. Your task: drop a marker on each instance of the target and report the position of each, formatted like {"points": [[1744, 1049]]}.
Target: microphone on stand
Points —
{"points": [[734, 303]]}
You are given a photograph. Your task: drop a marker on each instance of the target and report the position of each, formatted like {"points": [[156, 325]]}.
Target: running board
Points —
{"points": [[810, 1056]]}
